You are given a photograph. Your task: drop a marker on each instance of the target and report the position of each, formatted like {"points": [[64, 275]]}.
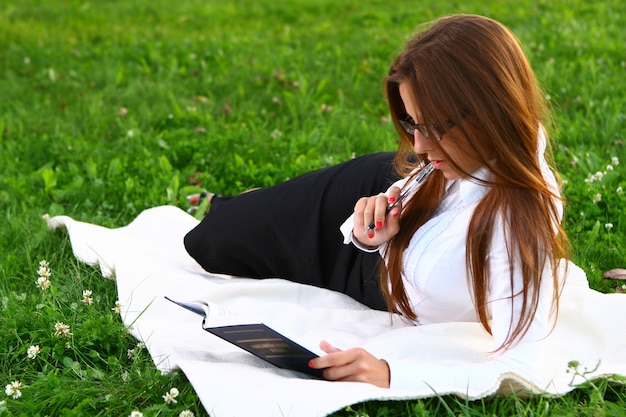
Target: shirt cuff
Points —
{"points": [[364, 248], [348, 236]]}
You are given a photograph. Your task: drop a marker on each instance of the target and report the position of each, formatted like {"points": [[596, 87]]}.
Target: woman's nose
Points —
{"points": [[420, 143]]}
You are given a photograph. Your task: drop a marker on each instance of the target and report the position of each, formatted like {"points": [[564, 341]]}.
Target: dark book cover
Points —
{"points": [[261, 341]]}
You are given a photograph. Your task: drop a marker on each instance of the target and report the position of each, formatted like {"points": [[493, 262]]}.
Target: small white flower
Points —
{"points": [[598, 176], [597, 198], [619, 190], [87, 299], [170, 397], [186, 413], [13, 390], [609, 167], [608, 226], [614, 160], [46, 217], [130, 133], [33, 351], [62, 330], [136, 414], [117, 307], [43, 283], [44, 269], [130, 353], [276, 134]]}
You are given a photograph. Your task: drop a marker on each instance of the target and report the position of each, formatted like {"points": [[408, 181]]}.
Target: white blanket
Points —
{"points": [[149, 261]]}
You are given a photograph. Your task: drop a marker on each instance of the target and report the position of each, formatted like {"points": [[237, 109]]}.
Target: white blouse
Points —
{"points": [[436, 278]]}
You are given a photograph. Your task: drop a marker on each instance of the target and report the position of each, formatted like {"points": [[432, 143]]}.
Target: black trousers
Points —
{"points": [[291, 230]]}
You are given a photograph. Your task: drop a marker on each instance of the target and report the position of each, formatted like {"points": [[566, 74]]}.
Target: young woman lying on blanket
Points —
{"points": [[480, 238]]}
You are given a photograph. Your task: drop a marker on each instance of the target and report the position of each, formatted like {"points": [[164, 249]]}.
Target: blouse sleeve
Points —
{"points": [[525, 358], [506, 309], [505, 306]]}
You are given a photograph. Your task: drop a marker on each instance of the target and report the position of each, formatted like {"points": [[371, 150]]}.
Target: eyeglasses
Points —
{"points": [[428, 132]]}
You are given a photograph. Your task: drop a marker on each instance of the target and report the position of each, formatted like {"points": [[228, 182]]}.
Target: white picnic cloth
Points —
{"points": [[148, 260]]}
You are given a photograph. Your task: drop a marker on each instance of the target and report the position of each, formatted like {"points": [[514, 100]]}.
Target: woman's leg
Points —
{"points": [[291, 230]]}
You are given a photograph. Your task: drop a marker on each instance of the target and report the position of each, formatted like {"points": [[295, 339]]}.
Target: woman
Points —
{"points": [[478, 241]]}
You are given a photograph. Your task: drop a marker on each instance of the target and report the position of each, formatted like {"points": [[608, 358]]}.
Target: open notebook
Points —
{"points": [[259, 340]]}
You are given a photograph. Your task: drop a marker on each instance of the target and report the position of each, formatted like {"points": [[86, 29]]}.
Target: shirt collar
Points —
{"points": [[472, 189]]}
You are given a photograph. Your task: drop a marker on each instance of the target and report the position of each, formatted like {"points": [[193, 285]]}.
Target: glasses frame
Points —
{"points": [[427, 131]]}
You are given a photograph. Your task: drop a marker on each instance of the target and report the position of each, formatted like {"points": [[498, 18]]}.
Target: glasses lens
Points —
{"points": [[423, 130], [428, 132], [407, 126], [435, 132]]}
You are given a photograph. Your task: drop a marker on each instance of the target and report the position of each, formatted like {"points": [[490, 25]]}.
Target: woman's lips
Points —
{"points": [[437, 163]]}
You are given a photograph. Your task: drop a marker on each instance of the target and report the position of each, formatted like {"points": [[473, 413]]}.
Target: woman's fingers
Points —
{"points": [[394, 195], [355, 365], [328, 348], [372, 211]]}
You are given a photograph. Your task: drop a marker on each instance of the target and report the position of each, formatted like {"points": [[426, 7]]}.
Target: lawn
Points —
{"points": [[111, 107]]}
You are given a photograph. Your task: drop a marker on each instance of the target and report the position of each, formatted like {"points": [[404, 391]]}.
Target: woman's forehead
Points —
{"points": [[409, 100]]}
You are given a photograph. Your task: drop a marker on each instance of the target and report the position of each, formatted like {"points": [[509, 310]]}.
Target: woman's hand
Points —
{"points": [[356, 365], [373, 209]]}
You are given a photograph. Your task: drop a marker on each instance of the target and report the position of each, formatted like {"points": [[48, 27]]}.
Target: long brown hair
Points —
{"points": [[472, 71]]}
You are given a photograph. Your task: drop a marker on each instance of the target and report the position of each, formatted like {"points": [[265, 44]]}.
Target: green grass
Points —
{"points": [[110, 107]]}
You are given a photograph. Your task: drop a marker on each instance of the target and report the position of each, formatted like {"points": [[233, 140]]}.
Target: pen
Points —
{"points": [[417, 180]]}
